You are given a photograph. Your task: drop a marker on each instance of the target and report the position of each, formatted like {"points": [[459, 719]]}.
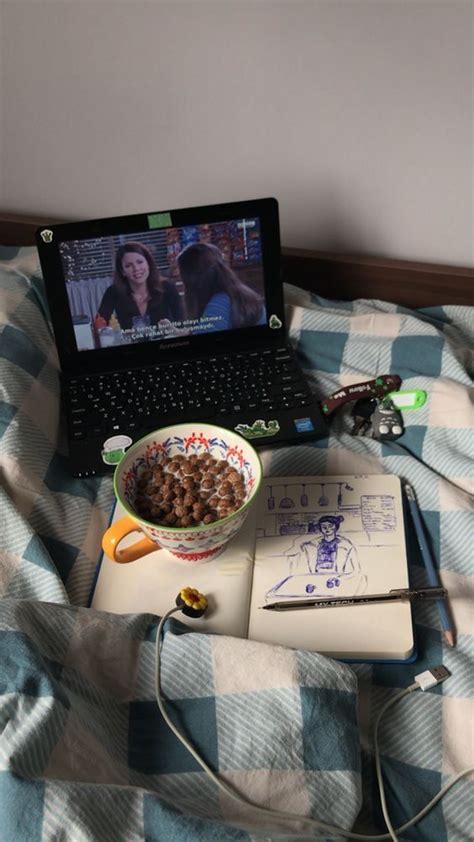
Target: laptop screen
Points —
{"points": [[164, 283], [159, 287]]}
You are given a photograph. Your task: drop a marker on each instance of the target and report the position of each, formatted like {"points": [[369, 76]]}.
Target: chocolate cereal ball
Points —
{"points": [[187, 491]]}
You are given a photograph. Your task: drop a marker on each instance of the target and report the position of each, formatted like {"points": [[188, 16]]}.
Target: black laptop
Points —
{"points": [[173, 316]]}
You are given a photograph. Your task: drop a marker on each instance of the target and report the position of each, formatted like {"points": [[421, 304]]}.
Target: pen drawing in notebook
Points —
{"points": [[326, 556], [342, 536]]}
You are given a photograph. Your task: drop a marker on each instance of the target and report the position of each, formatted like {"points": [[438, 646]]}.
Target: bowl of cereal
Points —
{"points": [[188, 488]]}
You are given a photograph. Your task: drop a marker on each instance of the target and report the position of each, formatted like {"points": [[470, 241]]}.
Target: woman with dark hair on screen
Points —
{"points": [[214, 293], [139, 294]]}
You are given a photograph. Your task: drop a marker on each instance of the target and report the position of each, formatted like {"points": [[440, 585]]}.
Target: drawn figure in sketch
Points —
{"points": [[328, 552]]}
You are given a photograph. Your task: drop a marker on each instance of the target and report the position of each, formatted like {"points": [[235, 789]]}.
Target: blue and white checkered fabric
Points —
{"points": [[85, 743], [84, 753]]}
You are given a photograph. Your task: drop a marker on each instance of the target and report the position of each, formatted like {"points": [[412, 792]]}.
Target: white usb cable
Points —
{"points": [[424, 681]]}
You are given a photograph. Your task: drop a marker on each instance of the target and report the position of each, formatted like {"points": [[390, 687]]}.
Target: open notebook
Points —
{"points": [[317, 536]]}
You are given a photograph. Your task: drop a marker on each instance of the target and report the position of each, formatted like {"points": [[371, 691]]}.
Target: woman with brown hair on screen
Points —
{"points": [[214, 292], [139, 294]]}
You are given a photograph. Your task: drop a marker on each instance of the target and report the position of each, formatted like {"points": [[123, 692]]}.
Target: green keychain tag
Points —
{"points": [[408, 398]]}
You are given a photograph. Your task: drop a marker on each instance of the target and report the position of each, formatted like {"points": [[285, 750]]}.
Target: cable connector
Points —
{"points": [[430, 678]]}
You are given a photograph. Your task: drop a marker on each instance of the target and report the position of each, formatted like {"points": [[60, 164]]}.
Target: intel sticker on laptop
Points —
{"points": [[303, 425]]}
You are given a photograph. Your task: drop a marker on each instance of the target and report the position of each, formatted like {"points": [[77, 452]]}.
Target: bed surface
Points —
{"points": [[76, 700]]}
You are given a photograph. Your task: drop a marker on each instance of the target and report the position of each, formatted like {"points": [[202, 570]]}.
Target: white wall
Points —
{"points": [[356, 115]]}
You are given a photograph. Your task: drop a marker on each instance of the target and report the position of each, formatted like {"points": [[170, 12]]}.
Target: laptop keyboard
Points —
{"points": [[193, 390]]}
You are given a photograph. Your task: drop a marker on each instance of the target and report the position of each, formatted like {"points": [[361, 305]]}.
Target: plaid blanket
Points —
{"points": [[84, 753]]}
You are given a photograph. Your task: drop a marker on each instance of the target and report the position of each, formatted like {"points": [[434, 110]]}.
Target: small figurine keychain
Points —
{"points": [[387, 424]]}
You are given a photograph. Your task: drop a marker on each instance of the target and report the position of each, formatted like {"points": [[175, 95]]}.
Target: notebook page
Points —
{"points": [[332, 536]]}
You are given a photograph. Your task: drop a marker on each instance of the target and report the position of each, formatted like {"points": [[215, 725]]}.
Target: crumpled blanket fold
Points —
{"points": [[83, 741]]}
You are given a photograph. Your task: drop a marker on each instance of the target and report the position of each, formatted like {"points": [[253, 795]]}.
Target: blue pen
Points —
{"points": [[431, 571]]}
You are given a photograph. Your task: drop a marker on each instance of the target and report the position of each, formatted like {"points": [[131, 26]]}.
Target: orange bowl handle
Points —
{"points": [[114, 535]]}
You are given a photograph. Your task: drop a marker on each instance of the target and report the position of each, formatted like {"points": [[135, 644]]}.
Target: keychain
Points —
{"points": [[387, 424]]}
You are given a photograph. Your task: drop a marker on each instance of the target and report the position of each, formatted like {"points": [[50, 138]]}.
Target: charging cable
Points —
{"points": [[194, 604]]}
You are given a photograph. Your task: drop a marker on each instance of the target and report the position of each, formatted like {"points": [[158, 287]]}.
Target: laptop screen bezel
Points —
{"points": [[76, 363]]}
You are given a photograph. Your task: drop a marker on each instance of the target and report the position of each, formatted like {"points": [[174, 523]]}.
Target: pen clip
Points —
{"points": [[420, 593]]}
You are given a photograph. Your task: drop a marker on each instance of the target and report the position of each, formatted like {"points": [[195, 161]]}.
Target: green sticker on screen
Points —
{"points": [[274, 322], [258, 429], [159, 220]]}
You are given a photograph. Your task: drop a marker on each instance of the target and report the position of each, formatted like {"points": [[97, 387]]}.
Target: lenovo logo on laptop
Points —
{"points": [[165, 345]]}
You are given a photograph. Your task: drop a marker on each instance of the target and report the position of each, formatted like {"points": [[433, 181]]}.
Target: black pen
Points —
{"points": [[396, 595]]}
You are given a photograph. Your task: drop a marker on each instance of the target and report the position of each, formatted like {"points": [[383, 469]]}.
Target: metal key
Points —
{"points": [[362, 412]]}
